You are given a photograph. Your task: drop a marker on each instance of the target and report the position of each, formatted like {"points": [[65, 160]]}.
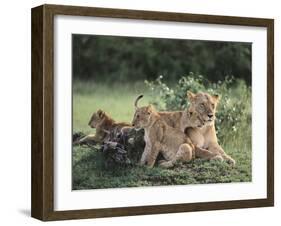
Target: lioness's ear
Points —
{"points": [[216, 97], [190, 95], [100, 113]]}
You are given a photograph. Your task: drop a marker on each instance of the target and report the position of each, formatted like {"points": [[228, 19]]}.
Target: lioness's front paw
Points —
{"points": [[166, 164], [231, 161], [218, 157]]}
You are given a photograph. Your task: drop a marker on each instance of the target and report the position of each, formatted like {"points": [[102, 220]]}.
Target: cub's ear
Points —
{"points": [[100, 113], [216, 97], [190, 95]]}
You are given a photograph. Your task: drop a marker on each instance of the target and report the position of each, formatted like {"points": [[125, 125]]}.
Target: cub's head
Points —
{"points": [[97, 118], [204, 105], [142, 115]]}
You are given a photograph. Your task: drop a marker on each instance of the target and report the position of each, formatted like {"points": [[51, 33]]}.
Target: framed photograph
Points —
{"points": [[141, 112]]}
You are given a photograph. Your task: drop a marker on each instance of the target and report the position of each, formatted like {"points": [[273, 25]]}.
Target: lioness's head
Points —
{"points": [[205, 105], [97, 118], [142, 115]]}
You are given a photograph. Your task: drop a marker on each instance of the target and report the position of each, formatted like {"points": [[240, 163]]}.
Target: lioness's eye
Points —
{"points": [[213, 105], [138, 116]]}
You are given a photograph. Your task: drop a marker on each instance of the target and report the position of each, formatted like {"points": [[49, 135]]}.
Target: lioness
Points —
{"points": [[171, 142], [204, 135], [103, 124], [205, 105]]}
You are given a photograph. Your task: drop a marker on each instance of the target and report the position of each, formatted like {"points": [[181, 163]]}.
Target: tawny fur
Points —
{"points": [[159, 137], [205, 136]]}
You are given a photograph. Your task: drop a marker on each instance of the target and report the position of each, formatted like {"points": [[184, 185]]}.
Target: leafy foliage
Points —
{"points": [[234, 106]]}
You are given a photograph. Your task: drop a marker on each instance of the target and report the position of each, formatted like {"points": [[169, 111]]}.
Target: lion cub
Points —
{"points": [[159, 137], [104, 125]]}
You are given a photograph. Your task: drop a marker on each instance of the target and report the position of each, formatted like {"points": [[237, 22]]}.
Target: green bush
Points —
{"points": [[122, 59], [234, 109]]}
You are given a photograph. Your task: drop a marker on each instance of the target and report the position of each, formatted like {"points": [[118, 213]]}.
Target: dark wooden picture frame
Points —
{"points": [[42, 203]]}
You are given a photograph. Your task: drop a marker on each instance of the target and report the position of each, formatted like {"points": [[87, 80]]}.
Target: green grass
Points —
{"points": [[117, 100], [88, 168]]}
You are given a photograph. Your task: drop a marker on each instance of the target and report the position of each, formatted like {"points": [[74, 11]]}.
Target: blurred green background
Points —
{"points": [[130, 59]]}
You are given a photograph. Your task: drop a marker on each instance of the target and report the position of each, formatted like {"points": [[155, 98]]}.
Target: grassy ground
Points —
{"points": [[88, 168]]}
